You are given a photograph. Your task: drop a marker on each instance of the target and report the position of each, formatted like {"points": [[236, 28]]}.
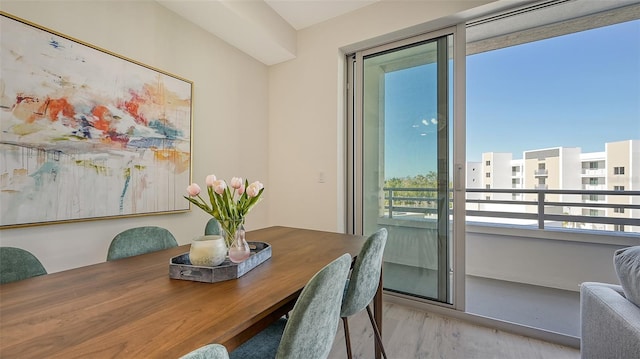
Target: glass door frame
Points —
{"points": [[354, 161]]}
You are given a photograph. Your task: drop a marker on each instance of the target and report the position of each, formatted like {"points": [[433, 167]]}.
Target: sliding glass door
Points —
{"points": [[402, 178]]}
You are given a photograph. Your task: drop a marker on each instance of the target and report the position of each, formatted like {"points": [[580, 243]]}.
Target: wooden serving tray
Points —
{"points": [[180, 267]]}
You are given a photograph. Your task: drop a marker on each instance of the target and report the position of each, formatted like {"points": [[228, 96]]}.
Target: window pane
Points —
{"points": [[405, 137], [547, 107]]}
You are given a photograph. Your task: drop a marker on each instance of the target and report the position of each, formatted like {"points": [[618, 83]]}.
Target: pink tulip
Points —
{"points": [[219, 186], [254, 189], [210, 180], [236, 182], [241, 190], [193, 190]]}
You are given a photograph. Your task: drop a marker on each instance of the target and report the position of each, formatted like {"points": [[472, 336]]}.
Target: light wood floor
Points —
{"points": [[412, 334]]}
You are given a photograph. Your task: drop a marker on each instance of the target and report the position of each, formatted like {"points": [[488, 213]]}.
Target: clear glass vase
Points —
{"points": [[239, 249]]}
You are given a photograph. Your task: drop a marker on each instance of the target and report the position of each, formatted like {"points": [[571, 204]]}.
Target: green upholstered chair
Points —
{"points": [[210, 351], [140, 240], [212, 227], [17, 264], [311, 328], [363, 283]]}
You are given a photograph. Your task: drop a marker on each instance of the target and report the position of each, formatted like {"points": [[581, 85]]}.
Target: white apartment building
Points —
{"points": [[617, 168]]}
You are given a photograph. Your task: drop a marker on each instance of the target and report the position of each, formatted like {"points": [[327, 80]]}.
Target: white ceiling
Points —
{"points": [[264, 29], [304, 13]]}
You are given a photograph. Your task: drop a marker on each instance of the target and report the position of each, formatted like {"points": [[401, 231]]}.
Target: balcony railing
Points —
{"points": [[541, 172], [593, 187], [533, 205], [599, 172]]}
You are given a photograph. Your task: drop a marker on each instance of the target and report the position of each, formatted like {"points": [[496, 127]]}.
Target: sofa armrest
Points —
{"points": [[610, 323]]}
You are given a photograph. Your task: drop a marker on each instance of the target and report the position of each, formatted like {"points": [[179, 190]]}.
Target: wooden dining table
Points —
{"points": [[131, 308]]}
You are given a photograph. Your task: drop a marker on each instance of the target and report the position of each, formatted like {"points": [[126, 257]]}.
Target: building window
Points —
{"points": [[618, 188], [488, 186], [593, 212], [488, 163], [618, 210], [542, 166], [618, 227], [593, 181], [618, 170], [593, 165], [488, 174]]}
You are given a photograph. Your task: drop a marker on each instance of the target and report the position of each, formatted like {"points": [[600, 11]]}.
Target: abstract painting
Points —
{"points": [[85, 133]]}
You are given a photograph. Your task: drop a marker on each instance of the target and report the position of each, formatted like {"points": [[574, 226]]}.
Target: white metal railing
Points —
{"points": [[600, 172], [549, 204], [594, 187]]}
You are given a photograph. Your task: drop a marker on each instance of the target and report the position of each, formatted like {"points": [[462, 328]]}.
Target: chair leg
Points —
{"points": [[346, 336], [376, 332]]}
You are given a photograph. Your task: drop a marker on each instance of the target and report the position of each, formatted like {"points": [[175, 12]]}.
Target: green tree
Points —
{"points": [[427, 181]]}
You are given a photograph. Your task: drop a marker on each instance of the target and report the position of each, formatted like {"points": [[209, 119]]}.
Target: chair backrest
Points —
{"points": [[140, 240], [17, 264], [212, 227], [313, 322], [210, 351], [365, 275]]}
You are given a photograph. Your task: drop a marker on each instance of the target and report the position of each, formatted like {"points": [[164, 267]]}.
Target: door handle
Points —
{"points": [[458, 178]]}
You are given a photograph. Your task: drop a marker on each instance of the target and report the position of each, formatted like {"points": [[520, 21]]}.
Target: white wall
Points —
{"points": [[516, 254], [306, 107], [230, 114], [571, 169]]}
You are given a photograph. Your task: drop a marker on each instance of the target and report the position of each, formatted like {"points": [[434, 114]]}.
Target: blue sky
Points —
{"points": [[578, 90], [410, 112]]}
